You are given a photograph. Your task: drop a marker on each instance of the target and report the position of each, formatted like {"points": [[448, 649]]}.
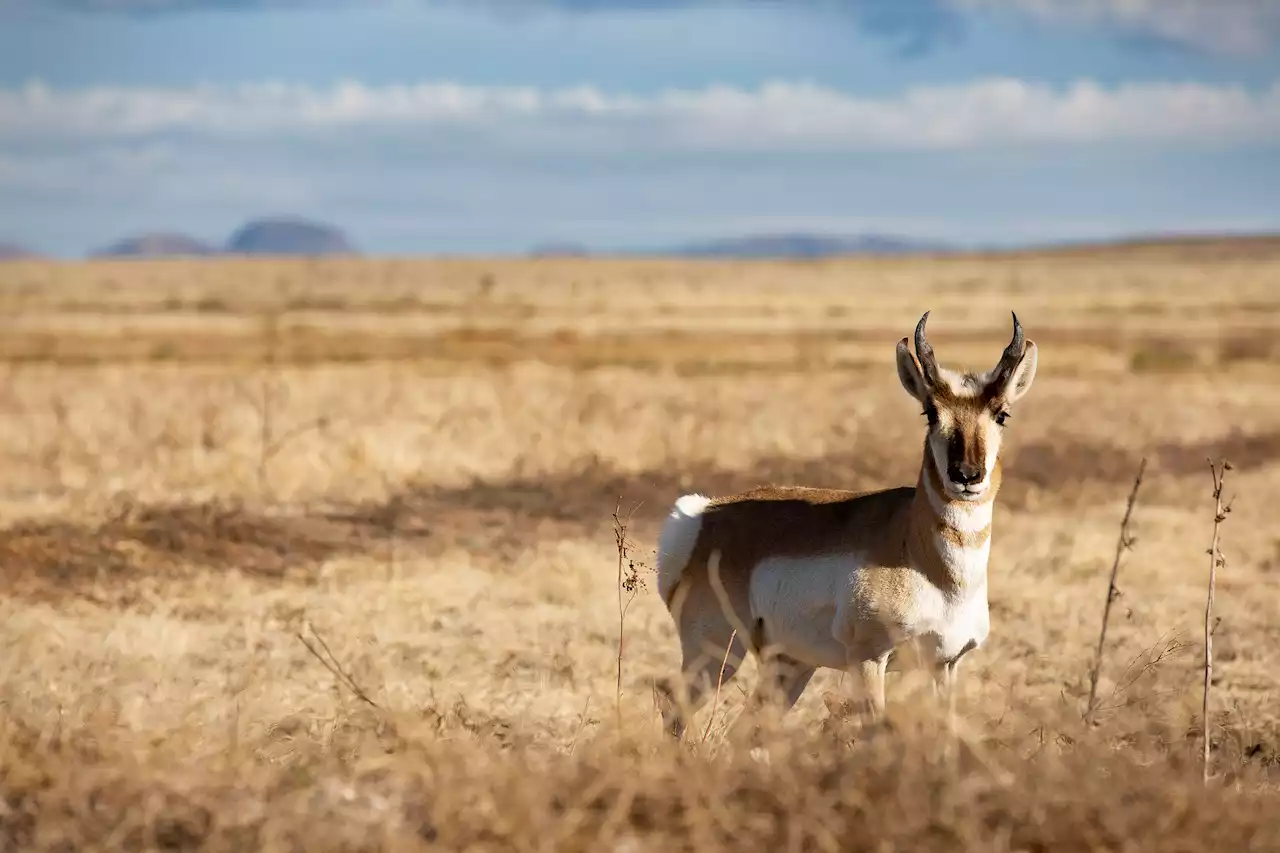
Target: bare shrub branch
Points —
{"points": [[583, 720], [1123, 543], [1216, 560], [273, 395], [629, 584], [271, 390]]}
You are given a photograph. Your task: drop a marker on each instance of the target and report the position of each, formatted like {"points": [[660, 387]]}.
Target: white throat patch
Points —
{"points": [[967, 517]]}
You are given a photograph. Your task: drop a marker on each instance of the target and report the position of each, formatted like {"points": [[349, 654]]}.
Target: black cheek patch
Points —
{"points": [[955, 448]]}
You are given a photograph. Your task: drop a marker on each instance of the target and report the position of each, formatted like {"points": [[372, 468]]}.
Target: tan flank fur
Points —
{"points": [[814, 578]]}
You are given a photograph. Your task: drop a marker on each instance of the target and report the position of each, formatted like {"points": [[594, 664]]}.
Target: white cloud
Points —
{"points": [[777, 116], [1219, 26], [456, 167]]}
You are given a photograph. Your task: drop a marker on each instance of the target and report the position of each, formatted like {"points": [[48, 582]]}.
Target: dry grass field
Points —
{"points": [[320, 555]]}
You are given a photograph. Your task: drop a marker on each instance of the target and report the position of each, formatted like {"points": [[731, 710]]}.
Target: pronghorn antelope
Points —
{"points": [[814, 578]]}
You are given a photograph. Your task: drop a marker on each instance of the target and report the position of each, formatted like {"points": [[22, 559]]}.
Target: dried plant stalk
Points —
{"points": [[629, 584], [715, 704], [330, 662], [1216, 560], [1124, 543]]}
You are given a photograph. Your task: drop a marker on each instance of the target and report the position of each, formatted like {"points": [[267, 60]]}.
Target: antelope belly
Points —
{"points": [[797, 598]]}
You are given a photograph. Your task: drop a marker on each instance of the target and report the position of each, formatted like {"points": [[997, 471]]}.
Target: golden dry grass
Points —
{"points": [[418, 462]]}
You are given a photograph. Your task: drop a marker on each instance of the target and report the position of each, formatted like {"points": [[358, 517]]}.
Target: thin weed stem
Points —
{"points": [[1216, 560], [715, 703], [1123, 543], [331, 663], [629, 584]]}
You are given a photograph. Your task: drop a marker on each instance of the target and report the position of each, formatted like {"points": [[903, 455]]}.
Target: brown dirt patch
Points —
{"points": [[51, 559], [159, 543]]}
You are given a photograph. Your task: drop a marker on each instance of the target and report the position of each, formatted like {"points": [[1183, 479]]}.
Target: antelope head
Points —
{"points": [[966, 412]]}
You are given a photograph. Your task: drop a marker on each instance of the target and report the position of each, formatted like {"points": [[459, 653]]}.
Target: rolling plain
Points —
{"points": [[323, 554]]}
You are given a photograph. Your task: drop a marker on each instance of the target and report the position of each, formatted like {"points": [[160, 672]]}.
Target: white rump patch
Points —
{"points": [[677, 540], [692, 505]]}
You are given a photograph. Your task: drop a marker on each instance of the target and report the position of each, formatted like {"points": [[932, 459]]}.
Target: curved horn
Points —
{"points": [[924, 352], [1013, 352]]}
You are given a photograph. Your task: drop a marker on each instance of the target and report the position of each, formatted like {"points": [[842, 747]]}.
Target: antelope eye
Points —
{"points": [[930, 413], [1001, 417]]}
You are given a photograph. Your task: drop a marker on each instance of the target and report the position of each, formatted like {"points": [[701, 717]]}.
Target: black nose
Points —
{"points": [[964, 474]]}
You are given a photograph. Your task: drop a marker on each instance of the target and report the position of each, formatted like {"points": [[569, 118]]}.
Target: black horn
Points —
{"points": [[924, 352], [1013, 352]]}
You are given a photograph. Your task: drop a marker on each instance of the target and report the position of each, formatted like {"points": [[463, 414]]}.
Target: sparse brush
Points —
{"points": [[272, 397], [447, 782], [155, 692], [1142, 669]]}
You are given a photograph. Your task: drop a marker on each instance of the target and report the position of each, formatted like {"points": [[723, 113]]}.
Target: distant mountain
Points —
{"points": [[14, 252], [808, 246], [288, 236], [158, 244]]}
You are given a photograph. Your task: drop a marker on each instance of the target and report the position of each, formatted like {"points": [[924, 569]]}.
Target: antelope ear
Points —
{"points": [[1022, 375], [909, 372]]}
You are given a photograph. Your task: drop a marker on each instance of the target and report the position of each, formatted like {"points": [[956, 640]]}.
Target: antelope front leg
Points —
{"points": [[867, 654], [867, 674], [944, 688], [868, 679], [945, 675]]}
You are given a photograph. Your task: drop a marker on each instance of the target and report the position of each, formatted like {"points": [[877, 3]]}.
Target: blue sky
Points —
{"points": [[495, 125]]}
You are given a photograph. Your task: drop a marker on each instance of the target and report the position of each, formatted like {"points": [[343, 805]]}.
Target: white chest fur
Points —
{"points": [[942, 625], [956, 618]]}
